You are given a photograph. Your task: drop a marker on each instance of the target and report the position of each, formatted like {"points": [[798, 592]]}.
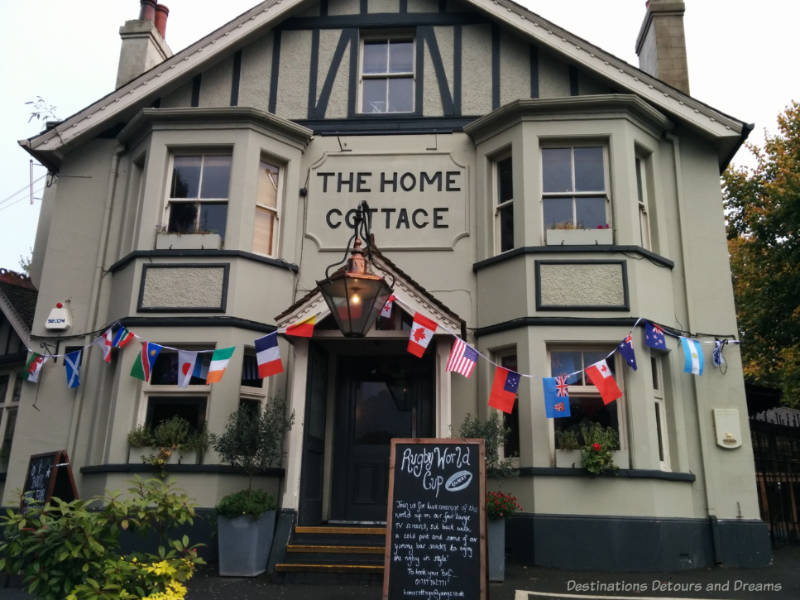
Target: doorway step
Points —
{"points": [[334, 554]]}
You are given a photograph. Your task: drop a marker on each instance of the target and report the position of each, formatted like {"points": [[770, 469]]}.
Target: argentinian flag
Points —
{"points": [[692, 356]]}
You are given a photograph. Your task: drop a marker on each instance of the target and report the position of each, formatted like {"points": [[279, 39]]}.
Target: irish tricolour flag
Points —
{"points": [[219, 362]]}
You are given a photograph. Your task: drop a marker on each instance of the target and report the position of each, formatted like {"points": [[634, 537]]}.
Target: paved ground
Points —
{"points": [[779, 581]]}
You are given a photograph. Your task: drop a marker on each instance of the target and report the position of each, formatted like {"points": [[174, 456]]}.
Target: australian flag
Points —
{"points": [[654, 336], [626, 350]]}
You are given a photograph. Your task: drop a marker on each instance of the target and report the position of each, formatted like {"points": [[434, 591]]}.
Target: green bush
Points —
{"points": [[494, 434], [599, 442], [251, 503], [71, 549], [172, 435]]}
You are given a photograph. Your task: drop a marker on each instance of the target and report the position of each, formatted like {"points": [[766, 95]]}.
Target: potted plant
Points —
{"points": [[568, 448], [599, 442], [493, 433], [499, 506], [252, 441], [174, 439]]}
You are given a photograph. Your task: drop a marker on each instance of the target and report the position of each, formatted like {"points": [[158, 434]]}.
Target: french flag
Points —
{"points": [[268, 355]]}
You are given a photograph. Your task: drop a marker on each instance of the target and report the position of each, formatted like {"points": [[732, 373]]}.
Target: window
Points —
{"points": [[250, 376], [586, 406], [510, 421], [387, 76], [504, 204], [198, 194], [660, 411], [265, 227], [10, 390], [163, 408], [165, 369], [641, 197], [574, 185], [251, 390]]}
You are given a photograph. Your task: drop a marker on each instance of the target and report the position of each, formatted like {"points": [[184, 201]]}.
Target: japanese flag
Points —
{"points": [[422, 331], [186, 362]]}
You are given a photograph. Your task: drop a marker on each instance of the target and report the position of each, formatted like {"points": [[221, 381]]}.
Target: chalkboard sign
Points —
{"points": [[436, 520], [49, 474]]}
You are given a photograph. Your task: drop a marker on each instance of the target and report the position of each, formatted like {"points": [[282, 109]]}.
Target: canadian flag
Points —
{"points": [[422, 331], [386, 311], [600, 375]]}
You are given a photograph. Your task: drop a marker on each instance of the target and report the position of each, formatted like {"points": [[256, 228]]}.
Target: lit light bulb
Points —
{"points": [[355, 299]]}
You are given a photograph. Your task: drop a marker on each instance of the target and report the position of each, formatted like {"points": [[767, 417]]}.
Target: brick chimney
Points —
{"points": [[661, 45], [143, 44]]}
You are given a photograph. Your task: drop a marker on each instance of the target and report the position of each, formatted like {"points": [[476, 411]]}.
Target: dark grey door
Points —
{"points": [[378, 398], [313, 439]]}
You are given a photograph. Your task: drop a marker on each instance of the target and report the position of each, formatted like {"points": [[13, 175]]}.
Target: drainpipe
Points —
{"points": [[94, 294], [683, 222]]}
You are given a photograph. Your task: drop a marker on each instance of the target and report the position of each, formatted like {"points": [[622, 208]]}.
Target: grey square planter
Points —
{"points": [[244, 544]]}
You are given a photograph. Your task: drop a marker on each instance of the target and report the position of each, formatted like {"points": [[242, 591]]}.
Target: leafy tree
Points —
{"points": [[763, 210]]}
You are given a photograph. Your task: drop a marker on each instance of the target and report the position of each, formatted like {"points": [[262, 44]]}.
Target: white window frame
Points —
{"points": [[661, 434], [605, 193], [372, 37], [7, 405], [169, 200], [500, 206], [497, 357], [621, 458], [276, 210], [642, 181]]}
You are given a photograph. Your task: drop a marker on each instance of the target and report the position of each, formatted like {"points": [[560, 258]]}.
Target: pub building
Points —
{"points": [[525, 191]]}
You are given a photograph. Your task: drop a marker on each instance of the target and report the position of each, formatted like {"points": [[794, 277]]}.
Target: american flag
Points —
{"points": [[462, 358]]}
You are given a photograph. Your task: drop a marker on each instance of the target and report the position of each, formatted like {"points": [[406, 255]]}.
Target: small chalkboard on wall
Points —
{"points": [[49, 475], [436, 520]]}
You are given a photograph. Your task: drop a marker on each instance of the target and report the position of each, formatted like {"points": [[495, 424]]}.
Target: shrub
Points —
{"points": [[251, 503], [500, 505], [598, 444], [494, 434]]}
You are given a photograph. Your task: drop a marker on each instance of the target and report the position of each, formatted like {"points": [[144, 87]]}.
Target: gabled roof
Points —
{"points": [[50, 146], [18, 302]]}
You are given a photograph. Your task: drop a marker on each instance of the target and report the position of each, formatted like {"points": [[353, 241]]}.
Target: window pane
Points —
{"points": [[660, 434], [639, 188], [590, 213], [250, 370], [505, 181], [375, 57], [589, 169], [263, 231], [401, 55], [374, 96], [511, 421], [3, 387], [584, 411], [401, 92], [592, 356], [507, 227], [556, 176], [654, 370], [185, 177], [213, 216], [267, 185], [557, 213], [17, 393], [216, 176], [182, 217], [379, 415], [160, 409], [566, 361]]}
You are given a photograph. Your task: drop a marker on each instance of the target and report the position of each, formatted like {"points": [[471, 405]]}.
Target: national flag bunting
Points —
{"points": [[303, 328], [600, 375], [72, 364], [654, 336], [717, 358], [105, 342], [422, 330], [186, 365], [122, 338], [504, 389], [556, 397], [626, 350], [386, 311], [462, 358], [268, 355], [692, 356], [219, 362], [34, 367], [143, 365]]}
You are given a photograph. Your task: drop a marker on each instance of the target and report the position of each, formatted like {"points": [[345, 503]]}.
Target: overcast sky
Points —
{"points": [[742, 61]]}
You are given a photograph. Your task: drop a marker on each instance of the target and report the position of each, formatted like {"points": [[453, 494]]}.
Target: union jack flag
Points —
{"points": [[562, 389]]}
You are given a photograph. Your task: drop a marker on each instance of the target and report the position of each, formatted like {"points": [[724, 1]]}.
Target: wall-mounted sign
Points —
{"points": [[58, 319], [417, 201]]}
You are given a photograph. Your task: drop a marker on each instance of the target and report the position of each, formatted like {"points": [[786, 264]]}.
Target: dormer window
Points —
{"points": [[387, 75]]}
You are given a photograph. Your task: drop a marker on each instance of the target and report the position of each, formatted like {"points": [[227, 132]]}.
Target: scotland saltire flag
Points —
{"points": [[626, 350], [692, 356], [556, 397], [654, 336], [72, 363]]}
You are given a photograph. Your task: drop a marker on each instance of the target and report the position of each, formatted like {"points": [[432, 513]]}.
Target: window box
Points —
{"points": [[188, 241], [579, 237], [569, 459], [137, 456]]}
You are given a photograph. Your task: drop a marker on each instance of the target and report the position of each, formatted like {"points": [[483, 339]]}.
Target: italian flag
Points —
{"points": [[219, 362]]}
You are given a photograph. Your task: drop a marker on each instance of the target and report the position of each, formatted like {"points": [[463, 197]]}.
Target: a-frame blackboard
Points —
{"points": [[49, 475], [436, 520]]}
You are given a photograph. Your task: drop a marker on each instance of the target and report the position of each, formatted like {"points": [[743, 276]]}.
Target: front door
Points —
{"points": [[378, 398]]}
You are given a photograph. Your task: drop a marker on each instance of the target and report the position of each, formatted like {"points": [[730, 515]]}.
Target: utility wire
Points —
{"points": [[24, 189]]}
